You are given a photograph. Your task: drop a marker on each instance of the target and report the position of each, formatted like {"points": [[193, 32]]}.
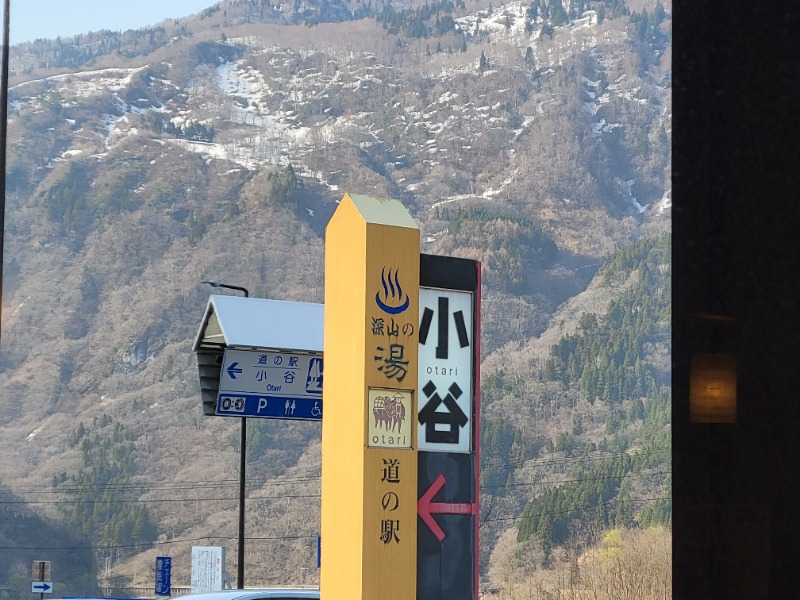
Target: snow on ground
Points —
{"points": [[86, 84], [629, 194], [257, 132], [35, 432], [665, 203]]}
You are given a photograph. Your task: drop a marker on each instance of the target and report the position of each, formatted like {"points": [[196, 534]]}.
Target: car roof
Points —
{"points": [[255, 594]]}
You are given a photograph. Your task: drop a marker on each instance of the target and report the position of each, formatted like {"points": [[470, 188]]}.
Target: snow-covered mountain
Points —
{"points": [[217, 147]]}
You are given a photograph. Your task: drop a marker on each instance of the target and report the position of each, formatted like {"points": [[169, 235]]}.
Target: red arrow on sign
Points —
{"points": [[426, 508]]}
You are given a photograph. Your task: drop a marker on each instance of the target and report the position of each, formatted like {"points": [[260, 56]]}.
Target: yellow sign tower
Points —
{"points": [[369, 456]]}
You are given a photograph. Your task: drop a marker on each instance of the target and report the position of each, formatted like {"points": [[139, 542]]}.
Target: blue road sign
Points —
{"points": [[270, 384], [42, 587], [269, 407], [163, 575]]}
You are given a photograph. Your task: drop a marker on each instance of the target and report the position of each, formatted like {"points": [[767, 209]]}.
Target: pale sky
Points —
{"points": [[31, 19]]}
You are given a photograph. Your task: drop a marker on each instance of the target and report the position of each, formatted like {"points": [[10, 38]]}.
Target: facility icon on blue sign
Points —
{"points": [[314, 378]]}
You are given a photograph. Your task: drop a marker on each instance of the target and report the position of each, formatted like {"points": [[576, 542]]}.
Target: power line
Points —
{"points": [[579, 480], [3, 137], [157, 500], [193, 485], [317, 495], [220, 484], [571, 510], [567, 459], [314, 537], [160, 543]]}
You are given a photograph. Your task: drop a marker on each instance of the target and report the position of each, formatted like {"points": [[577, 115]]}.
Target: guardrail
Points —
{"points": [[142, 593]]}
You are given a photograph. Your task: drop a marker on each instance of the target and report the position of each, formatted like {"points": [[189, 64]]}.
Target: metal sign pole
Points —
{"points": [[242, 463], [3, 129]]}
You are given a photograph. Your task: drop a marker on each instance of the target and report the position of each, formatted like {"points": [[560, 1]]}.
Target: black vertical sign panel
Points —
{"points": [[446, 569]]}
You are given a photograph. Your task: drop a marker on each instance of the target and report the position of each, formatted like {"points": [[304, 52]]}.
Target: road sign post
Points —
{"points": [[400, 440], [369, 463], [163, 575], [254, 353], [261, 358], [448, 429], [42, 578]]}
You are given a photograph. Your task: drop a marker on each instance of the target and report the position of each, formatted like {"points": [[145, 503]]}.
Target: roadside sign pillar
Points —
{"points": [[42, 579], [448, 439], [369, 458], [163, 576]]}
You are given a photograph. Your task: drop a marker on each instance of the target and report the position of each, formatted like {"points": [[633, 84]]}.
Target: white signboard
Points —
{"points": [[208, 568], [445, 370], [284, 374]]}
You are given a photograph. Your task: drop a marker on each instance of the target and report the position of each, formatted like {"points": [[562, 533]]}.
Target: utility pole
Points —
{"points": [[3, 128]]}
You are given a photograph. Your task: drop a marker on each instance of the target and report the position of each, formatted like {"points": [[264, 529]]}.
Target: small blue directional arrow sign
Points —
{"points": [[42, 587], [234, 370], [270, 384]]}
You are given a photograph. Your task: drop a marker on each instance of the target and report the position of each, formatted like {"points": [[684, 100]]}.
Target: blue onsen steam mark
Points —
{"points": [[394, 299]]}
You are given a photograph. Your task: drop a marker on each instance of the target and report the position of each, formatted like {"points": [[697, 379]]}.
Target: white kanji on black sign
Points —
{"points": [[453, 417]]}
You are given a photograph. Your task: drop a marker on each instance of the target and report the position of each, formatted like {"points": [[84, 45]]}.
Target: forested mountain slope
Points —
{"points": [[532, 137]]}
